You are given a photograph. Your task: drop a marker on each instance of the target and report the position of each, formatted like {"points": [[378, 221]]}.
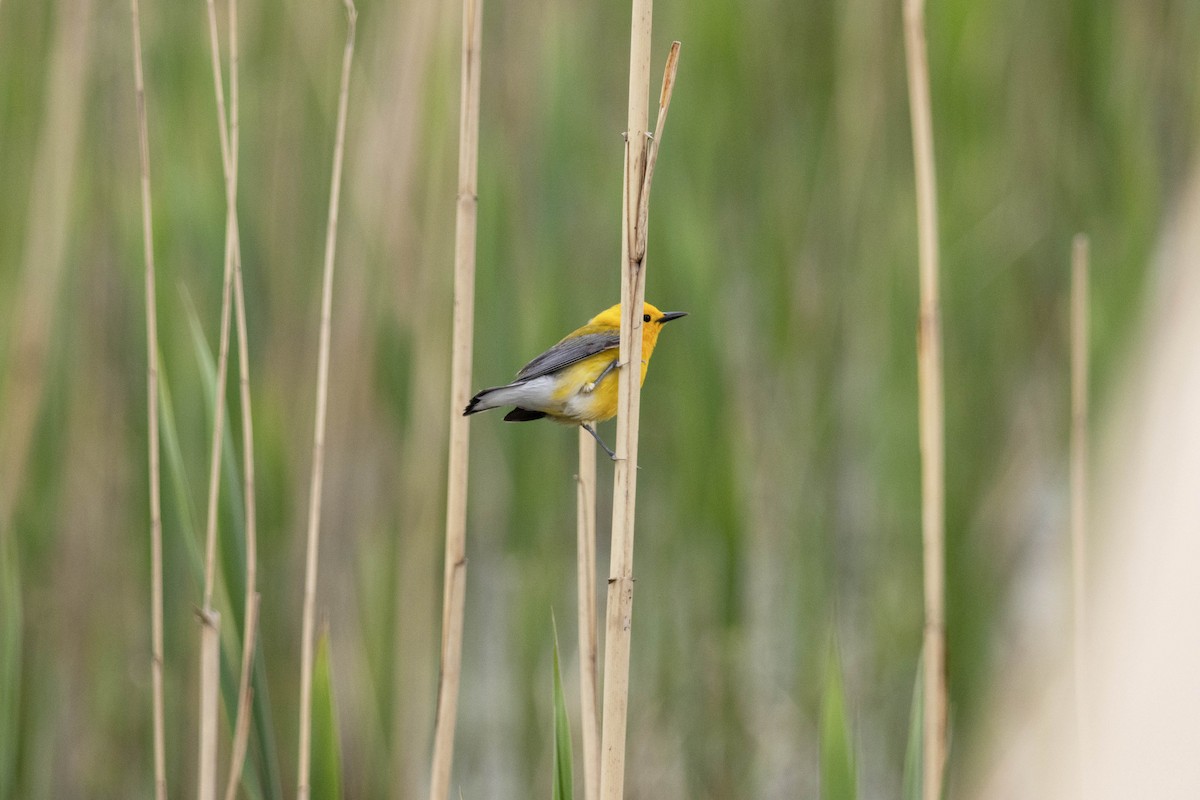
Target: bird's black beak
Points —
{"points": [[670, 315]]}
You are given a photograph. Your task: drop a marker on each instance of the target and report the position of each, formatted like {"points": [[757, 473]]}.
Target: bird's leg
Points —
{"points": [[588, 388], [596, 436]]}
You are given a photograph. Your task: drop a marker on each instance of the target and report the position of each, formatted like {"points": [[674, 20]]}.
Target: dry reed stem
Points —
{"points": [[664, 105], [1080, 273], [229, 135], [210, 689], [318, 464], [241, 728], [635, 187], [930, 401], [214, 471], [585, 503], [250, 611], [156, 568], [455, 574], [210, 620]]}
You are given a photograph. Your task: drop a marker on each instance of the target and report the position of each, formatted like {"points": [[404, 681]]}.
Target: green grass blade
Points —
{"points": [[10, 664], [564, 782], [263, 752], [185, 516], [326, 752], [838, 776], [914, 754]]}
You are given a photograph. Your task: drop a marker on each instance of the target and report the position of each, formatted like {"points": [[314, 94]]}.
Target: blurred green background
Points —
{"points": [[779, 490]]}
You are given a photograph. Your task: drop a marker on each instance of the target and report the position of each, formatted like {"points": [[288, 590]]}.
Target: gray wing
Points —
{"points": [[569, 351]]}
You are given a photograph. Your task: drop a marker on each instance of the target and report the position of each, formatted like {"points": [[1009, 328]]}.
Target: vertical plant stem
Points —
{"points": [[635, 193], [585, 501], [930, 401], [241, 728], [210, 690], [455, 573], [156, 568], [318, 463], [1080, 273], [209, 619], [250, 603]]}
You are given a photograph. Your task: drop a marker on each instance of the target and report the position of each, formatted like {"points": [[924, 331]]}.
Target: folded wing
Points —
{"points": [[569, 351]]}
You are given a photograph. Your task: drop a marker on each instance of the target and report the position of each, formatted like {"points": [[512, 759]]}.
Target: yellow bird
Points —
{"points": [[574, 381]]}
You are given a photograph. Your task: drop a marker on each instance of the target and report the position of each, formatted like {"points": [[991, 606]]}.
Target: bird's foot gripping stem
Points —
{"points": [[596, 436]]}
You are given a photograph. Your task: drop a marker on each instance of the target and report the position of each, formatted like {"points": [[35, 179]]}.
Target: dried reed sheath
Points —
{"points": [[318, 462], [455, 573], [930, 402]]}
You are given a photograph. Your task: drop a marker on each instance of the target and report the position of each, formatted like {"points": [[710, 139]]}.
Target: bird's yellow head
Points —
{"points": [[652, 321]]}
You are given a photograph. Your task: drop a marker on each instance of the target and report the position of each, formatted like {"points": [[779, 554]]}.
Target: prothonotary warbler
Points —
{"points": [[575, 381]]}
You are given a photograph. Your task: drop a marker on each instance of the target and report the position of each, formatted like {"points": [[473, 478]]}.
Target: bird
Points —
{"points": [[575, 381]]}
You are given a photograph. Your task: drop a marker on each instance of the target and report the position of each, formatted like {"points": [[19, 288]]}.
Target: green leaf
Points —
{"points": [[233, 572], [838, 776], [914, 754], [11, 618], [564, 784], [326, 750]]}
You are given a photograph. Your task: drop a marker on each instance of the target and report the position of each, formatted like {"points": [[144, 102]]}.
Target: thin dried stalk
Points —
{"points": [[930, 401], [210, 620], [1080, 273], [156, 574], [210, 688], [635, 189], [250, 613], [214, 470], [585, 503], [250, 610], [241, 728], [455, 574], [318, 464]]}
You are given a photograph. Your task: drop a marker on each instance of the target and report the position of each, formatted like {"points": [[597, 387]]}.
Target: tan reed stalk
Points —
{"points": [[250, 618], [209, 619], [250, 611], [585, 503], [229, 138], [318, 463], [210, 689], [210, 534], [930, 401], [1080, 273], [241, 728], [156, 570], [455, 573], [635, 192]]}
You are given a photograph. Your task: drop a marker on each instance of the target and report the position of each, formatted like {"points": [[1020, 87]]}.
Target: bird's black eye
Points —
{"points": [[645, 317]]}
